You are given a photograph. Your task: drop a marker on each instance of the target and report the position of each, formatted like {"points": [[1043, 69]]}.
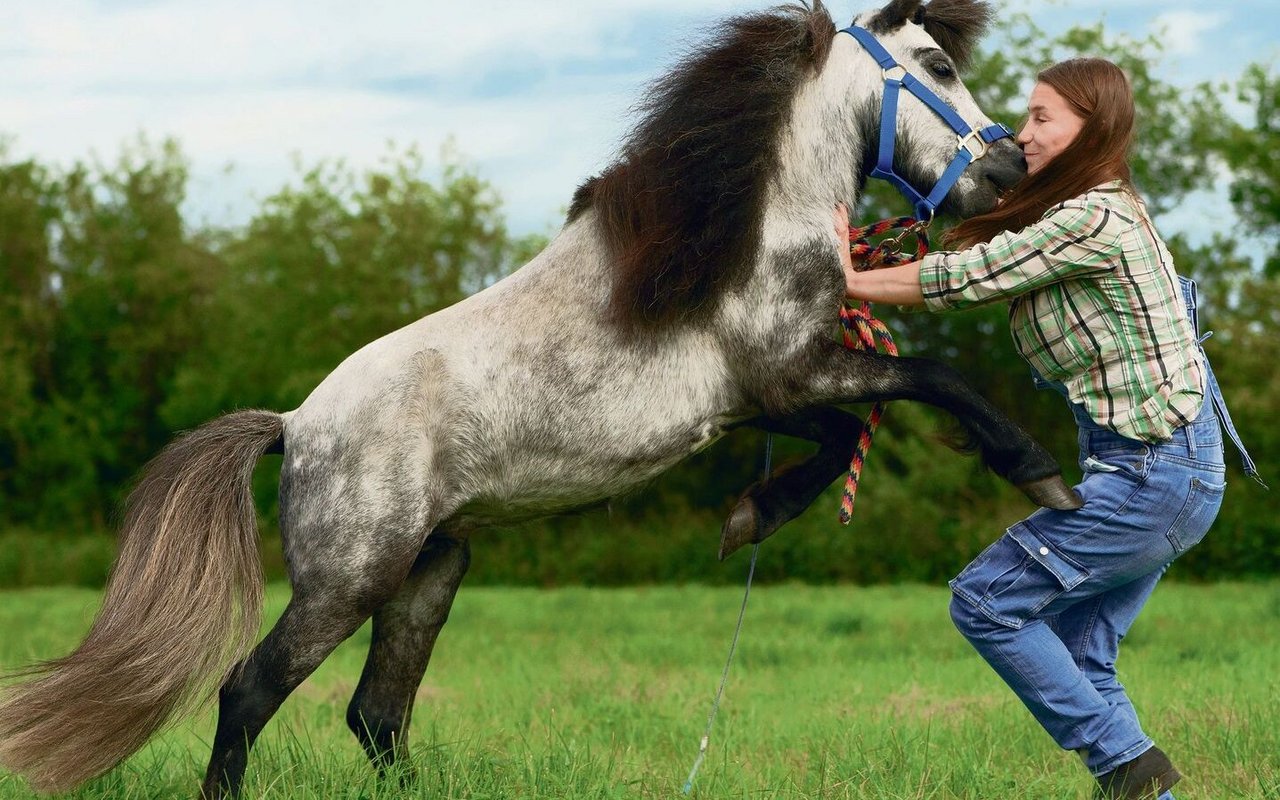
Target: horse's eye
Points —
{"points": [[942, 69]]}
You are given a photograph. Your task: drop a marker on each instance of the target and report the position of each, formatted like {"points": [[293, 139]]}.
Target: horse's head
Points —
{"points": [[762, 114], [933, 42]]}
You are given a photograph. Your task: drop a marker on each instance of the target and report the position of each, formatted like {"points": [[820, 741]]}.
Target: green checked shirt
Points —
{"points": [[1093, 303]]}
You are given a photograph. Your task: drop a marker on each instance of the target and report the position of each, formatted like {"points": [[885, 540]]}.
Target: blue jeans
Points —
{"points": [[1049, 602]]}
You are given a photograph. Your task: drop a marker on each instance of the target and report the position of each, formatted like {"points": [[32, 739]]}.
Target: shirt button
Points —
{"points": [[1044, 551]]}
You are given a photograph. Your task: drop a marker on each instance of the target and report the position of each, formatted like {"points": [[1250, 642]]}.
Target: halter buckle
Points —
{"points": [[974, 143]]}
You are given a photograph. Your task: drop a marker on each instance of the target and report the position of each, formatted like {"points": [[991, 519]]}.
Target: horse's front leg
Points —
{"points": [[773, 501], [827, 373]]}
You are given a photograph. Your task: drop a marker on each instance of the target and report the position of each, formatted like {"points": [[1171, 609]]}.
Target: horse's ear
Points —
{"points": [[956, 25], [894, 15], [820, 30]]}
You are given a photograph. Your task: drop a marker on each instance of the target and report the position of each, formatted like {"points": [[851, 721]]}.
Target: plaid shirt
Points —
{"points": [[1094, 303]]}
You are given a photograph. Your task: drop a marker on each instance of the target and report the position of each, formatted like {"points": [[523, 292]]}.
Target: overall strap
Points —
{"points": [[1214, 391]]}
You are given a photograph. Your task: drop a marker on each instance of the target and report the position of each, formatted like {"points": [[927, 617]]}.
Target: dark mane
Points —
{"points": [[681, 209], [956, 25]]}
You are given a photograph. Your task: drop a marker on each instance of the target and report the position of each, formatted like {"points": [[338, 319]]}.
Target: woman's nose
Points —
{"points": [[1024, 135]]}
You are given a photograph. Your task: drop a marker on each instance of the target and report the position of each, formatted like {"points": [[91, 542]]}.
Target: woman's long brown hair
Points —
{"points": [[1099, 93]]}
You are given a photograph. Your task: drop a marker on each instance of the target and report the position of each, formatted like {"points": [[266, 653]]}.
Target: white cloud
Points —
{"points": [[1183, 32], [254, 81], [78, 43]]}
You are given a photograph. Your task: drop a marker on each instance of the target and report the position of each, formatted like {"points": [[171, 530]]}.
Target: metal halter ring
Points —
{"points": [[901, 70]]}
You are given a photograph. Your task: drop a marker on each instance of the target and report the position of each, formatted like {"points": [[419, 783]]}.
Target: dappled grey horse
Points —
{"points": [[693, 288]]}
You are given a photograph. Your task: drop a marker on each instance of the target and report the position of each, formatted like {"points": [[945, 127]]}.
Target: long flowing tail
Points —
{"points": [[182, 608]]}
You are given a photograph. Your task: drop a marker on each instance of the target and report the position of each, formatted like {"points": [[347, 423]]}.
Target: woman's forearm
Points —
{"points": [[899, 285]]}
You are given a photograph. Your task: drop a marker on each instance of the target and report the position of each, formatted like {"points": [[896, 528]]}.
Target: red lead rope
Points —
{"points": [[861, 329]]}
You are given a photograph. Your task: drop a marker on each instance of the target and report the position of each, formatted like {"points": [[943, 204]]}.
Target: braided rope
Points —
{"points": [[862, 331]]}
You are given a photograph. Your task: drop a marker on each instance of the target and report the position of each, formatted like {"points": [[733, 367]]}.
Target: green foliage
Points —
{"points": [[27, 207], [122, 325], [329, 265], [104, 277], [1250, 151]]}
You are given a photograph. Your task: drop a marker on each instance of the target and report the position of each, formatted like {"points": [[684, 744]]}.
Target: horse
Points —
{"points": [[692, 289]]}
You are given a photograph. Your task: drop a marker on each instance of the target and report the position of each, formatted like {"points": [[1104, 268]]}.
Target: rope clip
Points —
{"points": [[893, 245]]}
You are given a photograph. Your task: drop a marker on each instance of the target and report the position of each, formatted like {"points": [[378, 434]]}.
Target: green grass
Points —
{"points": [[837, 692]]}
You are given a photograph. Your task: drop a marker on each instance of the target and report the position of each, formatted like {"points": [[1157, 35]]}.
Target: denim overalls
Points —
{"points": [[1047, 604]]}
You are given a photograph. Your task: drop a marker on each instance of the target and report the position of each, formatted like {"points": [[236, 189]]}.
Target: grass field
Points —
{"points": [[837, 692]]}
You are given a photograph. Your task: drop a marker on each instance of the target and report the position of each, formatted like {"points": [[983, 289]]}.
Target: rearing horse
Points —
{"points": [[693, 288]]}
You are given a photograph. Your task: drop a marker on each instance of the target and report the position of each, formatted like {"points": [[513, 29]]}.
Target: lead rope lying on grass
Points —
{"points": [[733, 645], [861, 329]]}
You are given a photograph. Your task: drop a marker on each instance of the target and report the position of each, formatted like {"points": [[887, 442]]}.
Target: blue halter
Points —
{"points": [[971, 143]]}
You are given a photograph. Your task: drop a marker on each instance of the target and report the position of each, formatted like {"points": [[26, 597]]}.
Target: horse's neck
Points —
{"points": [[796, 282], [821, 152]]}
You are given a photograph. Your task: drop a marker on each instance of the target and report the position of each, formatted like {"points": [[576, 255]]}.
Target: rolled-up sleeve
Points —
{"points": [[1074, 238]]}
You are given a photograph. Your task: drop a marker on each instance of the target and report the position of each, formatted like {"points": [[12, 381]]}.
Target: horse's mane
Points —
{"points": [[681, 209]]}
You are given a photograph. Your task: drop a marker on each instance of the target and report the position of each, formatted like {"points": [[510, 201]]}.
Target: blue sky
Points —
{"points": [[534, 94]]}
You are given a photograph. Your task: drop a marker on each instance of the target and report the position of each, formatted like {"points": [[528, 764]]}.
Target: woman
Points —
{"points": [[1096, 309]]}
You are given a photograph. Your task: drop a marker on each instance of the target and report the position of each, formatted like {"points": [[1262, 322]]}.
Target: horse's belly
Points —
{"points": [[542, 483]]}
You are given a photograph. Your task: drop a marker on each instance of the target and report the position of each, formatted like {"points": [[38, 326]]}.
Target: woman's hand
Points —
{"points": [[840, 218], [900, 284]]}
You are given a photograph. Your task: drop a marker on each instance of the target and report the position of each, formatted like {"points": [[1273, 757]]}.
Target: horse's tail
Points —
{"points": [[181, 609]]}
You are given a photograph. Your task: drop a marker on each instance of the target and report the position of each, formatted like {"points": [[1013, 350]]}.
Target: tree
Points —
{"points": [[333, 263], [28, 212], [120, 324], [1250, 152], [103, 279]]}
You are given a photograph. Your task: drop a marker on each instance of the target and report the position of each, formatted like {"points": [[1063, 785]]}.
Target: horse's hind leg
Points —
{"points": [[404, 634], [331, 599]]}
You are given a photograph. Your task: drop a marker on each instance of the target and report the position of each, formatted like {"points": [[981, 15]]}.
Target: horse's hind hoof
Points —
{"points": [[1052, 492], [741, 528]]}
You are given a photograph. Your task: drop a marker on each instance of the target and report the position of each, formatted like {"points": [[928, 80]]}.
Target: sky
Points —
{"points": [[533, 95]]}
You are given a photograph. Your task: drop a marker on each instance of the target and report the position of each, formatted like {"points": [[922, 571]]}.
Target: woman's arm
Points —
{"points": [[1078, 237], [899, 285]]}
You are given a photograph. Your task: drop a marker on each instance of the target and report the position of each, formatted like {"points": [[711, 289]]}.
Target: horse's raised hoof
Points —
{"points": [[741, 528], [1052, 492]]}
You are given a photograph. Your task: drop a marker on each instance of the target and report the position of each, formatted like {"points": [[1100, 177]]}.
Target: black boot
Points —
{"points": [[1144, 778]]}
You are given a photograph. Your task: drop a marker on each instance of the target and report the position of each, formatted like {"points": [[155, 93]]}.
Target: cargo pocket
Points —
{"points": [[1015, 578]]}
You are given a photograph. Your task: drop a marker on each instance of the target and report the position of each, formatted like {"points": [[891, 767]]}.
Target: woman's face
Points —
{"points": [[1051, 126]]}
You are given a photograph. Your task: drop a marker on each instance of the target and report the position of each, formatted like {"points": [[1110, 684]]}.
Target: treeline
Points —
{"points": [[121, 323]]}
